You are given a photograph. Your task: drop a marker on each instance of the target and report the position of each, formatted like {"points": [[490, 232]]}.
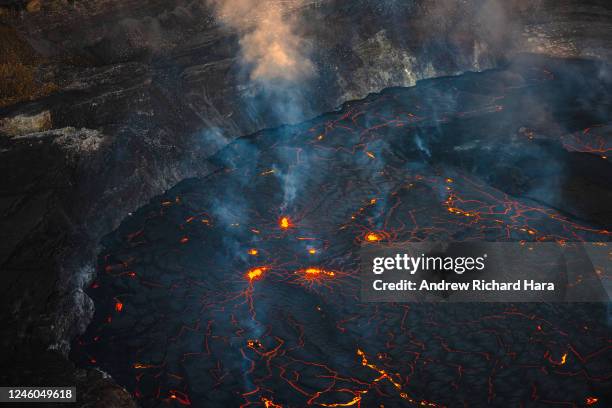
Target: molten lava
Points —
{"points": [[591, 400], [256, 273], [372, 237], [268, 403], [185, 309], [285, 223], [315, 273], [254, 344]]}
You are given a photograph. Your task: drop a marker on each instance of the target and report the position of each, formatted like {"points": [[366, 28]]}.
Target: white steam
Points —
{"points": [[268, 39]]}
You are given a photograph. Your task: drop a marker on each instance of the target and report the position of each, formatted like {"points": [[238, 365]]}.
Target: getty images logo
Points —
{"points": [[412, 264]]}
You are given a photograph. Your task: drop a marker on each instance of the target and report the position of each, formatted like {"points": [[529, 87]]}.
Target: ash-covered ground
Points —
{"points": [[242, 289]]}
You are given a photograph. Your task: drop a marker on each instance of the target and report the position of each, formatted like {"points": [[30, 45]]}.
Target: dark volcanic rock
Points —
{"points": [[186, 315], [126, 98], [95, 388]]}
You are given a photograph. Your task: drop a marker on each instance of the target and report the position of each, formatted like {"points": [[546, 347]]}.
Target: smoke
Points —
{"points": [[269, 43], [214, 139]]}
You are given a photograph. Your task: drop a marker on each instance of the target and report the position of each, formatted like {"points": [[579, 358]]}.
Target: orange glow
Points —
{"points": [[591, 400], [375, 236], [180, 397], [285, 222], [355, 401], [560, 362], [255, 273], [118, 306], [252, 251], [372, 237], [141, 365], [268, 403], [383, 373], [254, 344], [312, 251], [314, 273]]}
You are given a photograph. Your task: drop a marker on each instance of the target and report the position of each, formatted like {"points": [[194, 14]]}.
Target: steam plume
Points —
{"points": [[269, 43]]}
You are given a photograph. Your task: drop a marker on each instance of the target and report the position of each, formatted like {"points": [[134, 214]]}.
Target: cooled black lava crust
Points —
{"points": [[210, 297]]}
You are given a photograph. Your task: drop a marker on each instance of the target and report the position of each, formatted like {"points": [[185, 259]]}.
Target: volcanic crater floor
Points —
{"points": [[242, 288]]}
